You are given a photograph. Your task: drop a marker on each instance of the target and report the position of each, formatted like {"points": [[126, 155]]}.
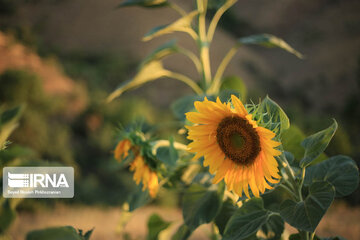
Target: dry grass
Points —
{"points": [[340, 220]]}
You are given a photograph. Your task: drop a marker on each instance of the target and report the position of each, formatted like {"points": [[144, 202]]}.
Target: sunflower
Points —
{"points": [[234, 147], [142, 172]]}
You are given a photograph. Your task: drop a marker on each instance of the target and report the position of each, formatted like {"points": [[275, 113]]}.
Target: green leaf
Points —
{"points": [[273, 115], [155, 225], [54, 233], [315, 144], [149, 72], [227, 210], [138, 198], [306, 215], [273, 228], [8, 123], [144, 3], [291, 140], [87, 235], [201, 205], [184, 105], [341, 171], [181, 25], [168, 155], [247, 220], [182, 233], [7, 215], [235, 83], [161, 52], [270, 41]]}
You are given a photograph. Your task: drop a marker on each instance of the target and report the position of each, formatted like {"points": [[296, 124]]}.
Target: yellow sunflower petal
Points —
{"points": [[239, 107]]}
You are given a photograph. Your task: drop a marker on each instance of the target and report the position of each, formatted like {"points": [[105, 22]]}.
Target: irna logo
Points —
{"points": [[18, 180]]}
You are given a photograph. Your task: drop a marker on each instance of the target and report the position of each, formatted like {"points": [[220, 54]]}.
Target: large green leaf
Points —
{"points": [[184, 105], [227, 210], [235, 83], [316, 144], [54, 233], [201, 205], [182, 233], [291, 140], [247, 220], [8, 122], [181, 25], [306, 215], [161, 52], [274, 227], [273, 115], [341, 171], [155, 225], [144, 3], [268, 40], [168, 155], [149, 72]]}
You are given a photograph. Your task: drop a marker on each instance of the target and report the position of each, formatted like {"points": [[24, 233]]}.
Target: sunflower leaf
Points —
{"points": [[8, 123], [168, 155], [138, 198], [274, 227], [144, 3], [306, 215], [183, 105], [273, 115], [155, 225], [149, 72], [247, 220], [181, 25], [201, 205], [161, 52], [341, 171], [227, 210], [315, 144], [270, 41], [182, 233], [54, 233], [235, 83]]}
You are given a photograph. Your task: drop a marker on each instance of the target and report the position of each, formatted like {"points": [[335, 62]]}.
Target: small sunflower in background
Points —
{"points": [[234, 147], [142, 171]]}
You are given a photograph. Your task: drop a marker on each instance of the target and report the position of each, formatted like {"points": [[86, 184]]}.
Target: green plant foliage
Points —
{"points": [[138, 198], [274, 227], [182, 233], [184, 105], [268, 40], [86, 235], [291, 140], [144, 3], [247, 220], [341, 171], [149, 72], [58, 233], [271, 113], [8, 123], [306, 215], [227, 210], [181, 25], [161, 52], [316, 144], [201, 205], [155, 225], [168, 155], [7, 215], [235, 83]]}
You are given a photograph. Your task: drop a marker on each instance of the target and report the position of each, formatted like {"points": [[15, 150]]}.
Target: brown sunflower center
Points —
{"points": [[238, 140]]}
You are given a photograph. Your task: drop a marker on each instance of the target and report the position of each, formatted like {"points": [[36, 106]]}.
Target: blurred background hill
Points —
{"points": [[62, 58]]}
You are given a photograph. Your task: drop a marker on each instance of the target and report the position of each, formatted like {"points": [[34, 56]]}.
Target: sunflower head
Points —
{"points": [[143, 164], [234, 147]]}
